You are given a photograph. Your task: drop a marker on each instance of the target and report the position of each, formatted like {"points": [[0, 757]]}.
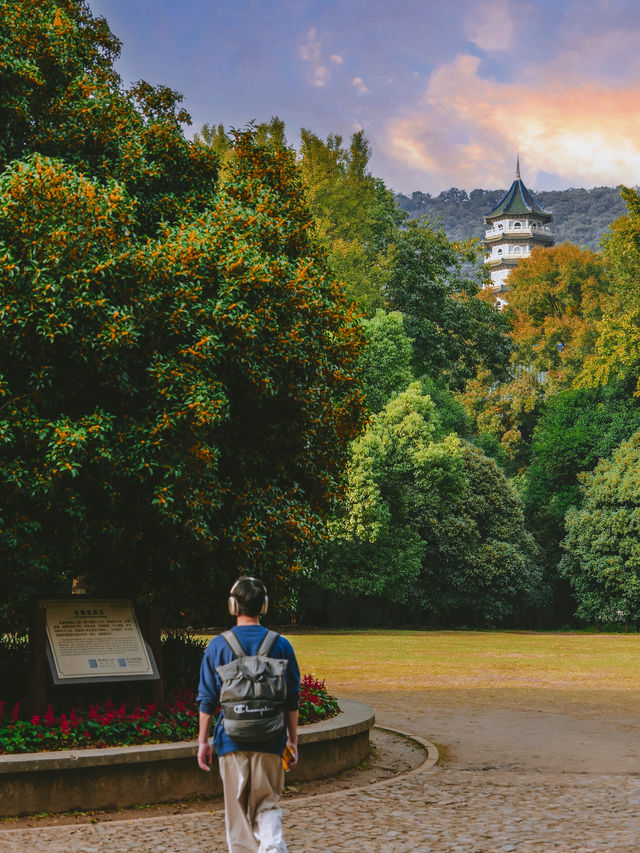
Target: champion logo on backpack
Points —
{"points": [[245, 709]]}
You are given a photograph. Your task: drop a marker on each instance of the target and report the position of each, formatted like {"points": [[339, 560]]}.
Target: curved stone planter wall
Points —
{"points": [[136, 775]]}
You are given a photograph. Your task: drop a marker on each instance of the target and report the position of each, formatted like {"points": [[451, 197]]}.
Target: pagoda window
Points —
{"points": [[516, 250], [500, 225], [517, 224]]}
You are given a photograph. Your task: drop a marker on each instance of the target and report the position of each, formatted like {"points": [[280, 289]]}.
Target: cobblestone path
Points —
{"points": [[438, 810]]}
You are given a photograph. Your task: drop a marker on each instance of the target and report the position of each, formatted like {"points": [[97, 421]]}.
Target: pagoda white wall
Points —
{"points": [[499, 278], [512, 252]]}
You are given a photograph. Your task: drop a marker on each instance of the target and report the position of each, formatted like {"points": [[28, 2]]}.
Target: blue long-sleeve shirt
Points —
{"points": [[218, 652]]}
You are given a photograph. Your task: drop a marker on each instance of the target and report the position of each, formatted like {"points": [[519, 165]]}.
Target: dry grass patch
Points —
{"points": [[413, 660], [581, 674]]}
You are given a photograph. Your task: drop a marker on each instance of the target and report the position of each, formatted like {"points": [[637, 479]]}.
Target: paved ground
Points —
{"points": [[513, 779]]}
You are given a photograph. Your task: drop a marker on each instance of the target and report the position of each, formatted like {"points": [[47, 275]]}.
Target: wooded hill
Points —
{"points": [[579, 216]]}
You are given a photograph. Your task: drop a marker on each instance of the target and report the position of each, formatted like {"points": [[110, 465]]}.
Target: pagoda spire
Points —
{"points": [[518, 166]]}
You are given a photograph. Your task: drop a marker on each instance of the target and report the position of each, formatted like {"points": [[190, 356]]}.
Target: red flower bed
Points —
{"points": [[111, 725], [315, 703], [99, 726]]}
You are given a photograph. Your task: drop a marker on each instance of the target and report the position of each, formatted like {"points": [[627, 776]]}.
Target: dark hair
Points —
{"points": [[250, 594]]}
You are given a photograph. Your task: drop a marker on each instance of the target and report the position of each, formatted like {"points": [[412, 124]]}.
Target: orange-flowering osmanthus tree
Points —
{"points": [[178, 366]]}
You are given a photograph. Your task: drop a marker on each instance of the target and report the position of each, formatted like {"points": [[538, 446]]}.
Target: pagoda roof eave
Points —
{"points": [[518, 201]]}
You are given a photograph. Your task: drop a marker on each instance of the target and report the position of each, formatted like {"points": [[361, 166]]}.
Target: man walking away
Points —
{"points": [[261, 719]]}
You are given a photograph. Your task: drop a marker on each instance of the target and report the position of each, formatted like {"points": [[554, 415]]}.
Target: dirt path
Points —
{"points": [[525, 731]]}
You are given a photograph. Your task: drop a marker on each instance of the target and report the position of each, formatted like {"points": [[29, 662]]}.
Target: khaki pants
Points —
{"points": [[253, 782]]}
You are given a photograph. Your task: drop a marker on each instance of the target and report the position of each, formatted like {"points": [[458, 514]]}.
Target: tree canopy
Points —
{"points": [[557, 300], [576, 429], [193, 336], [435, 283], [389, 264], [557, 296], [386, 358], [616, 355], [602, 545], [429, 522], [178, 366], [622, 251]]}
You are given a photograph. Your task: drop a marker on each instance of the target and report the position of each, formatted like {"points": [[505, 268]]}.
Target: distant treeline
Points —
{"points": [[579, 216]]}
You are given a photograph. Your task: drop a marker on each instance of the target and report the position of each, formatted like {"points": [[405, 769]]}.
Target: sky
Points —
{"points": [[446, 92]]}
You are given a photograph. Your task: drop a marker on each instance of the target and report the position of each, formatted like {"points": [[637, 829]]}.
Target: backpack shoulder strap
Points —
{"points": [[234, 644], [267, 643]]}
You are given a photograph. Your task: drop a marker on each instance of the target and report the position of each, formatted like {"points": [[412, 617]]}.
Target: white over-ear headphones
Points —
{"points": [[232, 602]]}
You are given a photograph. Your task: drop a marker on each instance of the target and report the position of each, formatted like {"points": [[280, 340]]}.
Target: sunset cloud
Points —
{"points": [[490, 26], [311, 52], [358, 83], [467, 126]]}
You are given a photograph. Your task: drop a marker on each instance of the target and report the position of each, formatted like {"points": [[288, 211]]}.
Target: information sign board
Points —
{"points": [[92, 640]]}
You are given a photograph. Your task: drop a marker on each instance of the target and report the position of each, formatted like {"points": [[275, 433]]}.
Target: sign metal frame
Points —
{"points": [[92, 641]]}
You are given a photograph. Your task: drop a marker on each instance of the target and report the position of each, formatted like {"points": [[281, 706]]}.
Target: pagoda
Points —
{"points": [[515, 226]]}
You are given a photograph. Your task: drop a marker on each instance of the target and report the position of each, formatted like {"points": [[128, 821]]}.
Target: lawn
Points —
{"points": [[390, 661]]}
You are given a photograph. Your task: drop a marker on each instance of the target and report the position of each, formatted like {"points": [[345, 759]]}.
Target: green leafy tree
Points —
{"points": [[178, 368], [616, 353], [271, 133], [452, 415], [483, 565], [574, 431], [355, 213], [398, 476], [73, 107], [386, 359], [557, 298], [48, 51], [347, 201], [435, 283], [505, 413], [215, 138], [622, 252], [602, 545], [429, 522], [616, 356]]}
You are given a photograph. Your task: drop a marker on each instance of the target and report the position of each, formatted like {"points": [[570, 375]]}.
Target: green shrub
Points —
{"points": [[181, 657]]}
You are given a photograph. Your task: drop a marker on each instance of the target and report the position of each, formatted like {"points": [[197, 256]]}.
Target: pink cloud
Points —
{"points": [[311, 52], [466, 127], [490, 25], [360, 86]]}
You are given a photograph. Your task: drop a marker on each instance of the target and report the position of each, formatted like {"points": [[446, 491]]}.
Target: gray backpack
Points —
{"points": [[254, 689]]}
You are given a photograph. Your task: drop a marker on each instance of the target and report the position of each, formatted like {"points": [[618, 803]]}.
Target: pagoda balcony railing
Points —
{"points": [[525, 230]]}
